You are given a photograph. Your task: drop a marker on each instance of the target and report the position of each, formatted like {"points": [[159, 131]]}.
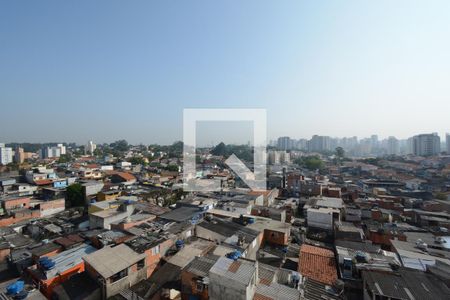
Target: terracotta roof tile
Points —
{"points": [[318, 264], [126, 176], [43, 182]]}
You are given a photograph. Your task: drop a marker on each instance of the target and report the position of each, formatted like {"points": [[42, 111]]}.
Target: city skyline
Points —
{"points": [[128, 71]]}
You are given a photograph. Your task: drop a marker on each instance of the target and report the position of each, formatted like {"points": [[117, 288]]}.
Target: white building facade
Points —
{"points": [[6, 155]]}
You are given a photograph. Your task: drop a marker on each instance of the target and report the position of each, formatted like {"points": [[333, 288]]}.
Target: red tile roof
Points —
{"points": [[43, 182], [318, 264], [126, 176]]}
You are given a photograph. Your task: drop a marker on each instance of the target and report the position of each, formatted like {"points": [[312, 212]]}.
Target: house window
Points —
{"points": [[119, 275], [141, 264]]}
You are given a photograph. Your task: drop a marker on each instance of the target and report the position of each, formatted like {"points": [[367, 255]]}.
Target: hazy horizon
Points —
{"points": [[110, 70]]}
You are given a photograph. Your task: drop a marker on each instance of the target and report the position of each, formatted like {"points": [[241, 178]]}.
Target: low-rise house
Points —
{"points": [[154, 248], [108, 195], [123, 178], [49, 207], [195, 278], [352, 214], [53, 271], [232, 279], [183, 214], [274, 232], [349, 232], [231, 234], [318, 264], [322, 218], [236, 207], [45, 249], [116, 268], [90, 189], [273, 213], [403, 284], [193, 249], [417, 254], [104, 218], [132, 221], [13, 202]]}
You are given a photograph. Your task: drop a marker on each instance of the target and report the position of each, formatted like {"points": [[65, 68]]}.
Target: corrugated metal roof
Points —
{"points": [[406, 284], [277, 291], [200, 266], [243, 274], [68, 259]]}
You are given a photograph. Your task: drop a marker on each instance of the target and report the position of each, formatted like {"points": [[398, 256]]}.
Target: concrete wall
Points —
{"points": [[209, 235], [16, 203], [52, 207], [222, 288], [320, 219], [133, 277]]}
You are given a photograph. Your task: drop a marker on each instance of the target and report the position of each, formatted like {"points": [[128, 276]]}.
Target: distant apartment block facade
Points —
{"points": [[426, 144], [447, 139], [6, 155], [90, 147], [284, 143], [393, 146], [19, 155], [54, 152], [320, 143]]}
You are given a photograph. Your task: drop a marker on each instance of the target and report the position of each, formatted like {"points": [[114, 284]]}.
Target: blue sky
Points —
{"points": [[106, 70]]}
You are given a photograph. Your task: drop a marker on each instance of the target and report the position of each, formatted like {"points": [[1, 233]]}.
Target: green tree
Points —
{"points": [[75, 195], [340, 155], [219, 150], [173, 168], [65, 158], [98, 152], [120, 145], [310, 162], [136, 160]]}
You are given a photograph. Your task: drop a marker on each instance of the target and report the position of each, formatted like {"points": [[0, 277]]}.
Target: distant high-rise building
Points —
{"points": [[19, 155], [6, 154], [285, 157], [374, 141], [62, 148], [319, 143], [393, 146], [54, 152], [90, 147], [447, 139], [274, 157], [302, 144], [284, 143], [426, 144]]}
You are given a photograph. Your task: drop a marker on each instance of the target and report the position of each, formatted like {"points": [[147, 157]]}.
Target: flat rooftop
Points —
{"points": [[111, 260]]}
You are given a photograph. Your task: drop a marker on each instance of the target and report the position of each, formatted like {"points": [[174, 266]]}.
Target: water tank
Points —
{"points": [[46, 263], [179, 244], [15, 288], [234, 255]]}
